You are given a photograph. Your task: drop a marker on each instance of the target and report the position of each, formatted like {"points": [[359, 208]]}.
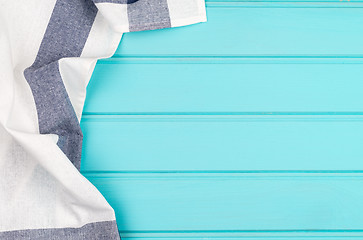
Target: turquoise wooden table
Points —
{"points": [[249, 126]]}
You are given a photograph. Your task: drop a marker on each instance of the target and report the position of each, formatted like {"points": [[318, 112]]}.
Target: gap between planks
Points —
{"points": [[284, 4], [248, 234], [223, 117], [204, 175], [230, 59]]}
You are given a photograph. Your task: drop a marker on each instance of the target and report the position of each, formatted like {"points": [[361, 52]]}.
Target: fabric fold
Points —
{"points": [[49, 49]]}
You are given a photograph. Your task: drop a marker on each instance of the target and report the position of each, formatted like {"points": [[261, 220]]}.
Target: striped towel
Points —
{"points": [[49, 49]]}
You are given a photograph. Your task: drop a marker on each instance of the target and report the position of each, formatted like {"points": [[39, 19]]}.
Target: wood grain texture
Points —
{"points": [[238, 30], [232, 235], [245, 235], [216, 86], [240, 202], [222, 143], [347, 237]]}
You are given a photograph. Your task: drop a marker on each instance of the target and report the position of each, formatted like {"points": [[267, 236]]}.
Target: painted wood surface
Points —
{"points": [[249, 126], [265, 29], [223, 143], [218, 86], [209, 202]]}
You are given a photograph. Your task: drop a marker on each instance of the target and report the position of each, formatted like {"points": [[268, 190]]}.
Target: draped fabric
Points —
{"points": [[48, 51]]}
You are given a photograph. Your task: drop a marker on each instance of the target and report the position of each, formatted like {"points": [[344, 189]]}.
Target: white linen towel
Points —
{"points": [[48, 51]]}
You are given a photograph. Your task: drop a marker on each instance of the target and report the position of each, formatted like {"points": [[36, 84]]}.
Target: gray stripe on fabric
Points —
{"points": [[148, 14], [92, 231], [65, 36]]}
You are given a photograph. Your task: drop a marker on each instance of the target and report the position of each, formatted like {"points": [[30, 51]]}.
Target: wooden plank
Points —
{"points": [[238, 238], [222, 143], [168, 87], [226, 2], [245, 235], [243, 202], [268, 29], [348, 237]]}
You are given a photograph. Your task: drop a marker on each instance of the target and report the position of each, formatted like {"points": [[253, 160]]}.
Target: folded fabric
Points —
{"points": [[49, 49]]}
